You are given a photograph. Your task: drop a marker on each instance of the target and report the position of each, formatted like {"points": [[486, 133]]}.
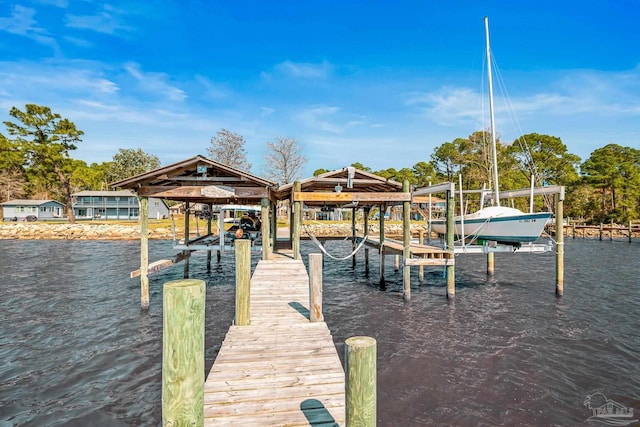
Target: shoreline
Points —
{"points": [[90, 231]]}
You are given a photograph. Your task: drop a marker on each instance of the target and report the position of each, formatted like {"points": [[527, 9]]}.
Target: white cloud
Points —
{"points": [[329, 119], [155, 83], [583, 93], [54, 79], [109, 21], [606, 93], [448, 106], [63, 4], [319, 118], [213, 90], [305, 70], [22, 23], [266, 111]]}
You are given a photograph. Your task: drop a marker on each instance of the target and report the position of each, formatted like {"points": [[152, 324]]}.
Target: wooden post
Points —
{"points": [[186, 240], [629, 231], [315, 288], [366, 234], [421, 267], [273, 219], [297, 220], [396, 262], [601, 231], [243, 277], [183, 353], [451, 283], [611, 231], [144, 252], [264, 219], [290, 219], [366, 221], [490, 263], [209, 230], [383, 208], [366, 262], [406, 243], [361, 381], [559, 245], [574, 230], [353, 237]]}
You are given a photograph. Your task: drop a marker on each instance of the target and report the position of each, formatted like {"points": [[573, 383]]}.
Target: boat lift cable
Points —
{"points": [[550, 238], [318, 243], [475, 235], [524, 146]]}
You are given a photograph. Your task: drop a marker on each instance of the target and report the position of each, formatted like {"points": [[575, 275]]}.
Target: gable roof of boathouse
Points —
{"points": [[345, 186], [200, 180]]}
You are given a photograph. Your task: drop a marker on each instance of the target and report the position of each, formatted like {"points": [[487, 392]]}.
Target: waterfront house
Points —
{"points": [[114, 205], [31, 210]]}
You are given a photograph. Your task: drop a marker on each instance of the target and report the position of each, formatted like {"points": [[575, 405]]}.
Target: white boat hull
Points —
{"points": [[504, 225]]}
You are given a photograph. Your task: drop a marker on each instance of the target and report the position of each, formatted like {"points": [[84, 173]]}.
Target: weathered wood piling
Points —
{"points": [[243, 277], [183, 353], [361, 381]]}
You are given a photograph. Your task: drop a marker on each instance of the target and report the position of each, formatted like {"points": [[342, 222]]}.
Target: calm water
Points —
{"points": [[76, 350]]}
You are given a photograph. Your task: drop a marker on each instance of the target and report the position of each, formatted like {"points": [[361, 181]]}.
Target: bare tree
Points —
{"points": [[284, 160], [228, 148]]}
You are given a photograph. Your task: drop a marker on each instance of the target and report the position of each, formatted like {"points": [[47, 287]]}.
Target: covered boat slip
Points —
{"points": [[204, 181], [360, 190], [207, 182]]}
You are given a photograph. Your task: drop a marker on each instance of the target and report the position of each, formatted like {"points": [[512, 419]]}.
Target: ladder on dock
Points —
{"points": [[281, 369]]}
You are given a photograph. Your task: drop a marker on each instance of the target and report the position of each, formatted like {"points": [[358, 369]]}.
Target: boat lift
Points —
{"points": [[491, 247]]}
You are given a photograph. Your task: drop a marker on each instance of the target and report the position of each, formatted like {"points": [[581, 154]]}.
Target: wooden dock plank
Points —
{"points": [[281, 369], [420, 254]]}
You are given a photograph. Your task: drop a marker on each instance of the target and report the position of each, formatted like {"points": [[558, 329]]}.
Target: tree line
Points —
{"points": [[36, 162], [605, 187]]}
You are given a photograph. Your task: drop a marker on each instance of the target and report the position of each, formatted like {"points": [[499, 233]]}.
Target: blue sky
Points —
{"points": [[353, 81]]}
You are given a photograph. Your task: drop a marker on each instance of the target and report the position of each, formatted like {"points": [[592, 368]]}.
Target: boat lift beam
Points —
{"points": [[486, 248], [525, 192], [438, 188]]}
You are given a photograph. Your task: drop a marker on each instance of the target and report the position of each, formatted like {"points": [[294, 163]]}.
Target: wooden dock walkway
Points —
{"points": [[282, 369]]}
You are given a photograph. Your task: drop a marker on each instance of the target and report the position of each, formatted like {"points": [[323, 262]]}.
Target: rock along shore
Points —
{"points": [[89, 231]]}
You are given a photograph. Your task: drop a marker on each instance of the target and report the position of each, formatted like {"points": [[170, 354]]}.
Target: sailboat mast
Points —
{"points": [[496, 190]]}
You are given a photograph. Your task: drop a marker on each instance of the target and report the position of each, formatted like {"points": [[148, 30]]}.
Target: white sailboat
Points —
{"points": [[496, 223]]}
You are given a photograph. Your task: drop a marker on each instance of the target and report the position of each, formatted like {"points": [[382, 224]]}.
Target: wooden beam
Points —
{"points": [[355, 181], [252, 192], [331, 197], [169, 191], [430, 261], [153, 267], [198, 192], [207, 179]]}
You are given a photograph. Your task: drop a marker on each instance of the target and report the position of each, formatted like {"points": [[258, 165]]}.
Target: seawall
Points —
{"points": [[88, 231], [91, 231]]}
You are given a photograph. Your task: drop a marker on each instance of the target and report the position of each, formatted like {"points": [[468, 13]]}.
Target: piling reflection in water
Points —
{"points": [[77, 350]]}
